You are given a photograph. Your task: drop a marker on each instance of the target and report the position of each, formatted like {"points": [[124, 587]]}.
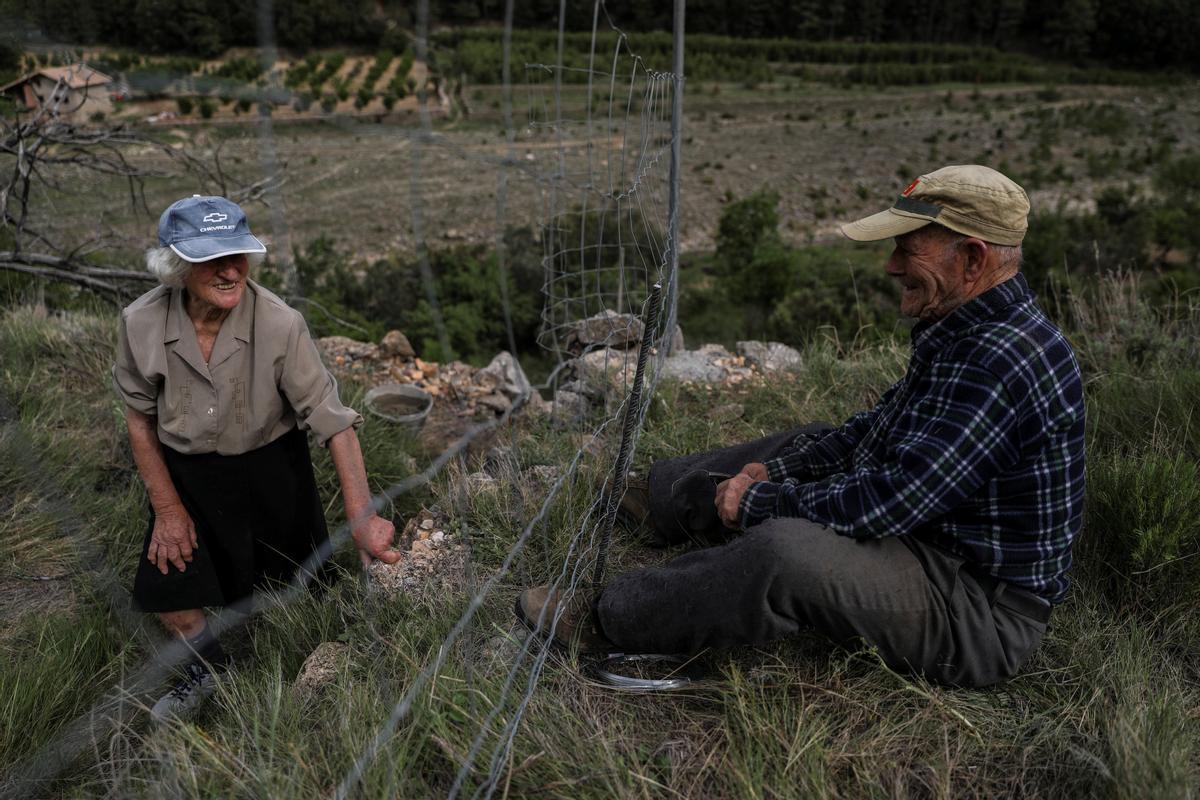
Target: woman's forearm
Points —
{"points": [[352, 475], [147, 454], [373, 535]]}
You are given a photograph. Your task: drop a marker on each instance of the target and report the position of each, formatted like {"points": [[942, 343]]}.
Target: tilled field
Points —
{"points": [[829, 154]]}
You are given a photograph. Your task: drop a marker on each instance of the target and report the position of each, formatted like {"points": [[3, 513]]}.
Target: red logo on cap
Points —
{"points": [[911, 186]]}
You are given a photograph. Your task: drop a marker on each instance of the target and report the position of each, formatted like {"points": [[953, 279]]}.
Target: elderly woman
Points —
{"points": [[220, 380]]}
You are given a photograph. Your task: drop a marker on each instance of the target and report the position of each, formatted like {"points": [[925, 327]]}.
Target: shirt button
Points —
{"points": [[211, 411]]}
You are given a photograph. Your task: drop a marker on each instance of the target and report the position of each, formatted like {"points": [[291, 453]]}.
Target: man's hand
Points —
{"points": [[373, 537], [172, 541], [757, 471], [729, 496]]}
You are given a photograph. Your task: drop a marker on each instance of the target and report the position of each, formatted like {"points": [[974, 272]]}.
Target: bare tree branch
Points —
{"points": [[51, 152], [108, 289]]}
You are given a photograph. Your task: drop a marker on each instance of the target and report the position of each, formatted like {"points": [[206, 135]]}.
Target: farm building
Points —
{"points": [[75, 89]]}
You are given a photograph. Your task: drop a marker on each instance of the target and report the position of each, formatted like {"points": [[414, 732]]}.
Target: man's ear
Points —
{"points": [[975, 251]]}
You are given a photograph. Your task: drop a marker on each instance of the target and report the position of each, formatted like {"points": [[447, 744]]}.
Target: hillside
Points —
{"points": [[1108, 707]]}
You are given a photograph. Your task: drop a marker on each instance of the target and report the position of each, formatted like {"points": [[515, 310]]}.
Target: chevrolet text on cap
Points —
{"points": [[201, 228], [970, 199]]}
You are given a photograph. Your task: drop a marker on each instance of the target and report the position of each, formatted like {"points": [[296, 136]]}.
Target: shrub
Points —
{"points": [[1142, 529], [383, 59], [244, 68], [845, 290], [297, 75], [207, 107], [391, 294], [750, 254], [319, 76], [185, 105]]}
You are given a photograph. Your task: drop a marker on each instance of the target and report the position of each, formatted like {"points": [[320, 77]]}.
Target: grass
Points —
{"points": [[1108, 706]]}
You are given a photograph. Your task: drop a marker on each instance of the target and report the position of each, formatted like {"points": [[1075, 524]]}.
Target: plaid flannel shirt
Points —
{"points": [[978, 449]]}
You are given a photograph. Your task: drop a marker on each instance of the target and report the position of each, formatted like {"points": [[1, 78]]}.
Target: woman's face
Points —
{"points": [[218, 283]]}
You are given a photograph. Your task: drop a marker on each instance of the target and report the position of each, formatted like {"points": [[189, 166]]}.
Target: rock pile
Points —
{"points": [[493, 388], [606, 329], [712, 363], [770, 356], [606, 346], [601, 373], [433, 562]]}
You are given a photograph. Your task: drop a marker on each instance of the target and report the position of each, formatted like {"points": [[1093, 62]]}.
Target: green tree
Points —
{"points": [[751, 257], [172, 26], [1068, 26]]}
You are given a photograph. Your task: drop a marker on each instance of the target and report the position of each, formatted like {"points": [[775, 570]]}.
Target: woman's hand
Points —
{"points": [[173, 540], [174, 536], [373, 538]]}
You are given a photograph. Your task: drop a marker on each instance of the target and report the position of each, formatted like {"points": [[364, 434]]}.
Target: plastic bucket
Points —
{"points": [[401, 403]]}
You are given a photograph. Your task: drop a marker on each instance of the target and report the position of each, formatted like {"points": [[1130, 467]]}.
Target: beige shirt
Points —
{"points": [[263, 378]]}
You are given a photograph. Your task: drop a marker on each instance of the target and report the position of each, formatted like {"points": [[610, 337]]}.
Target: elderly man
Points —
{"points": [[936, 526]]}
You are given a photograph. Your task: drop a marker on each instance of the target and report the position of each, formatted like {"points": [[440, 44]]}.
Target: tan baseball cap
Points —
{"points": [[970, 199]]}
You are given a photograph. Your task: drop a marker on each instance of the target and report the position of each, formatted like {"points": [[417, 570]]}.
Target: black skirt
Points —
{"points": [[257, 517]]}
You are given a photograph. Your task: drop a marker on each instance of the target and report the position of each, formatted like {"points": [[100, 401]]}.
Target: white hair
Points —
{"points": [[1008, 257], [171, 269]]}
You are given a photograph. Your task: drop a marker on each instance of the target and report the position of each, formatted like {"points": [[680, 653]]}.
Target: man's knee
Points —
{"points": [[795, 548]]}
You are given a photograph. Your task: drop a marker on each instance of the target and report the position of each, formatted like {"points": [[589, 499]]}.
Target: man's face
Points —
{"points": [[930, 268]]}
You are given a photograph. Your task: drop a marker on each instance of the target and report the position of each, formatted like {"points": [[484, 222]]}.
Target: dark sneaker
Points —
{"points": [[537, 607], [194, 687]]}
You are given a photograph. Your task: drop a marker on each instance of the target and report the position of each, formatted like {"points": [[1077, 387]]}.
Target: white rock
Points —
{"points": [[504, 375], [770, 356], [698, 366], [606, 372], [496, 402], [568, 406], [320, 670], [606, 328]]}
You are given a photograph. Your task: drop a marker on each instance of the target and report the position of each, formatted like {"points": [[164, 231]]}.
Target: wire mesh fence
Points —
{"points": [[603, 135]]}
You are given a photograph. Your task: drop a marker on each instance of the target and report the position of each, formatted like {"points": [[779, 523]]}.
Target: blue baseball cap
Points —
{"points": [[201, 228]]}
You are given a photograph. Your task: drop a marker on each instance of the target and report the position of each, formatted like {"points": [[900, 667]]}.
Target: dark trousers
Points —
{"points": [[920, 606], [682, 492]]}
